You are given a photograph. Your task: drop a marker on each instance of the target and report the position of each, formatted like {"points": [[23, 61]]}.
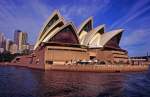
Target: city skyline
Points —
{"points": [[18, 45], [133, 16]]}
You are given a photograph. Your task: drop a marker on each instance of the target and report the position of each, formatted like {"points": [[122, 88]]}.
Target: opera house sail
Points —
{"points": [[54, 21], [85, 27], [60, 41]]}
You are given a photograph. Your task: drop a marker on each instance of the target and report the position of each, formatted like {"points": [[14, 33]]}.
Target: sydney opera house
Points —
{"points": [[60, 41]]}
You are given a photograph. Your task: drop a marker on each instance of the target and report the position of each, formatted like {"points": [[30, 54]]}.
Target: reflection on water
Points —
{"points": [[23, 82]]}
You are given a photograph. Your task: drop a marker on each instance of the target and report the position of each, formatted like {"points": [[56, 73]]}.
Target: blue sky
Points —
{"points": [[131, 15]]}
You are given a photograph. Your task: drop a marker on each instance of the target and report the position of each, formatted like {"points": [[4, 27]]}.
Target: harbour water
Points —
{"points": [[24, 82]]}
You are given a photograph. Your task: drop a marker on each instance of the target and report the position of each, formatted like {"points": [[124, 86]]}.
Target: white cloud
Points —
{"points": [[135, 37], [24, 17], [30, 15], [136, 10], [136, 42], [84, 9]]}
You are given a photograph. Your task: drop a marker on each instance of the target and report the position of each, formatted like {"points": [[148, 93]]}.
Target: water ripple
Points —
{"points": [[23, 82]]}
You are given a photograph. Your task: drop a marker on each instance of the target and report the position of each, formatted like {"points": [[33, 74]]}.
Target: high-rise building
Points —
{"points": [[16, 36], [4, 42], [1, 50], [13, 48], [1, 39], [7, 45], [20, 38]]}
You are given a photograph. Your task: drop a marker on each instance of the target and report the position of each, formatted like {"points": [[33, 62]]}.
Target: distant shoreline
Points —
{"points": [[84, 68]]}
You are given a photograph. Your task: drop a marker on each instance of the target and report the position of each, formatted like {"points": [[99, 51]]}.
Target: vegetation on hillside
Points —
{"points": [[6, 56]]}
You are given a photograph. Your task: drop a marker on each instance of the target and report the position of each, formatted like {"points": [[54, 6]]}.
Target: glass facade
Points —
{"points": [[101, 31], [87, 27], [51, 22], [67, 35], [114, 42]]}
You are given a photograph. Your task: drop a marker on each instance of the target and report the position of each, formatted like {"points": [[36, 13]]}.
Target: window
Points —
{"points": [[114, 42], [51, 22], [88, 26], [49, 62], [67, 35]]}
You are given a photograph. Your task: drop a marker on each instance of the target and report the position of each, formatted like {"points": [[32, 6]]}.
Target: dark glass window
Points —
{"points": [[54, 19], [87, 27], [114, 42], [49, 62], [67, 35], [51, 22], [101, 31]]}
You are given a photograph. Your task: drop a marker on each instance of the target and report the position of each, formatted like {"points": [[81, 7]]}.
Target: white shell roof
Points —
{"points": [[42, 33], [109, 35], [93, 38], [54, 32], [84, 23], [91, 34]]}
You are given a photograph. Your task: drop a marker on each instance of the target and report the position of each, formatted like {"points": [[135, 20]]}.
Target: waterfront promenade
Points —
{"points": [[101, 68], [83, 68]]}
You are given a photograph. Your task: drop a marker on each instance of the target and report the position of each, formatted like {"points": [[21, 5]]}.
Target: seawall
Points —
{"points": [[84, 68], [101, 68]]}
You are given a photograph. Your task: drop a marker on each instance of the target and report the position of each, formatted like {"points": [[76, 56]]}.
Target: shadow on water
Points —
{"points": [[23, 82]]}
